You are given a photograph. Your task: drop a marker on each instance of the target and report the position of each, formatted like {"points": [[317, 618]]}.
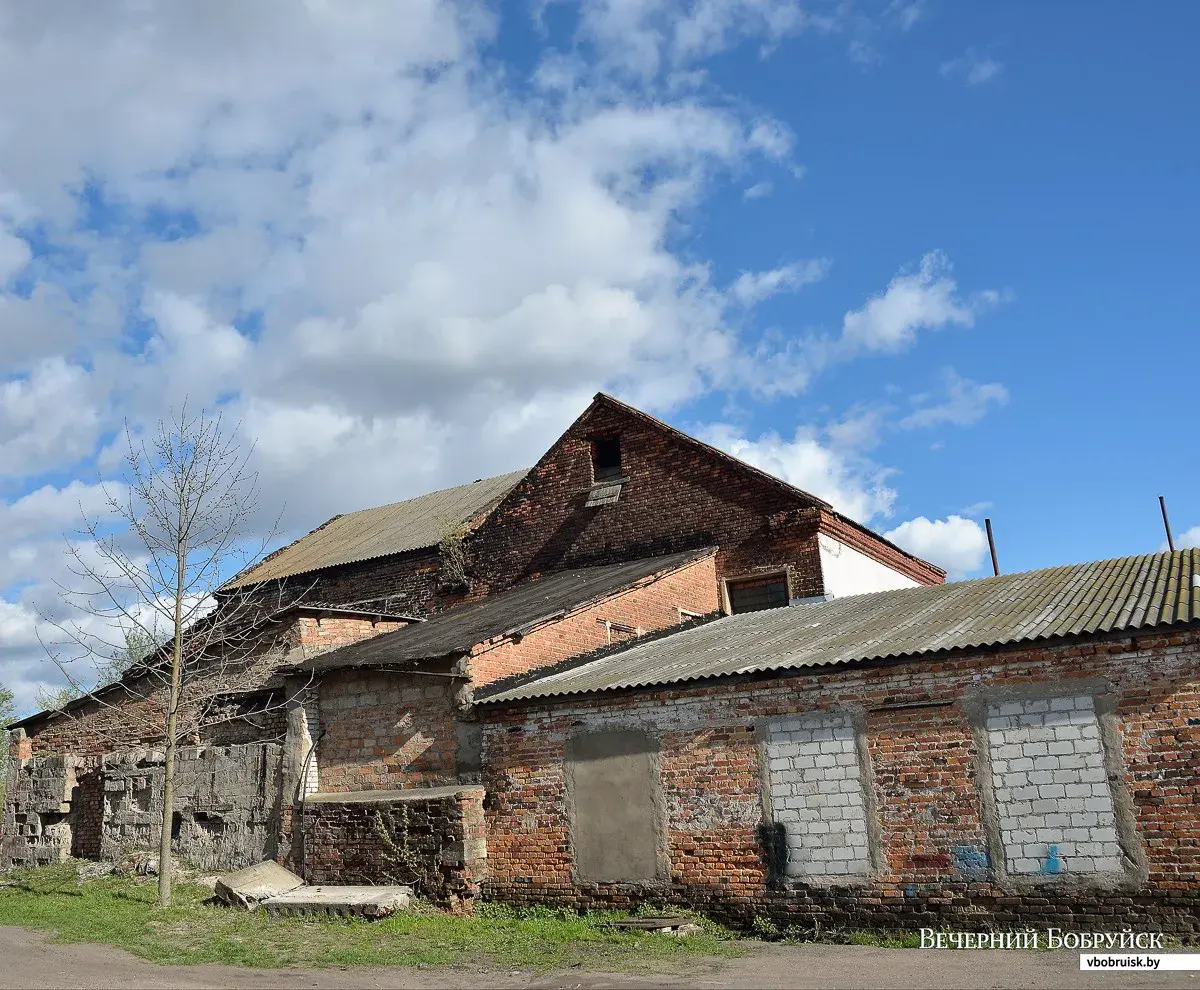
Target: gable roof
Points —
{"points": [[388, 529], [742, 467], [1107, 596], [512, 612], [811, 500]]}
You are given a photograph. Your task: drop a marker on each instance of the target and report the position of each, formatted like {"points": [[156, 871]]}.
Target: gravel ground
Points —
{"points": [[27, 960]]}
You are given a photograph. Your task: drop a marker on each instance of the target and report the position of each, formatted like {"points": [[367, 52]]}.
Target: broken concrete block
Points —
{"points": [[251, 886], [363, 902]]}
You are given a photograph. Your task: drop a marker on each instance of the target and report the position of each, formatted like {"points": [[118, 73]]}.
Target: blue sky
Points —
{"points": [[930, 260]]}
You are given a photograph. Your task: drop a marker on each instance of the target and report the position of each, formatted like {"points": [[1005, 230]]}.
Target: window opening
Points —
{"points": [[606, 459], [757, 594]]}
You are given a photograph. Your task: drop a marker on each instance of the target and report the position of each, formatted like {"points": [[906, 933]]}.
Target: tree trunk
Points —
{"points": [[164, 843]]}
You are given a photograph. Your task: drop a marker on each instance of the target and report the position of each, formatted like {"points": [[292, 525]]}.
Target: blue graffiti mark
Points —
{"points": [[1054, 863], [910, 890], [971, 860]]}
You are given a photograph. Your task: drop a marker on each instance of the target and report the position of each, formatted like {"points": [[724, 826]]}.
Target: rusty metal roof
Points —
{"points": [[1129, 593], [516, 611], [410, 525]]}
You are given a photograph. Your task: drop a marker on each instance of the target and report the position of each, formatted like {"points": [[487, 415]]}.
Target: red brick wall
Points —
{"points": [[924, 789], [443, 833], [651, 606], [97, 728], [408, 582], [385, 730], [331, 632], [678, 496]]}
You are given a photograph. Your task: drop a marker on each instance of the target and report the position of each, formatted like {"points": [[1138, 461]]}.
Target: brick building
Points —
{"points": [[1013, 750], [624, 527]]}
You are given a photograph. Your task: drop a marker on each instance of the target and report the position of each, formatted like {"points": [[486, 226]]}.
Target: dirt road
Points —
{"points": [[27, 960]]}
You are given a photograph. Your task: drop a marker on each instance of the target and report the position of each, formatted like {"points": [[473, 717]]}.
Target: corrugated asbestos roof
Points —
{"points": [[410, 525], [1105, 596], [527, 605]]}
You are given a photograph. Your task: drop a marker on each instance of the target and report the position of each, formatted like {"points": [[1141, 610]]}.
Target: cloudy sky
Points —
{"points": [[929, 260]]}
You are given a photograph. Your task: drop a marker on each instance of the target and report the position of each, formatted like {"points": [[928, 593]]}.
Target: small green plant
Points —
{"points": [[452, 555], [401, 865]]}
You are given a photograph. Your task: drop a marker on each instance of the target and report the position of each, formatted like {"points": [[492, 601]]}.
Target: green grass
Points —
{"points": [[118, 911]]}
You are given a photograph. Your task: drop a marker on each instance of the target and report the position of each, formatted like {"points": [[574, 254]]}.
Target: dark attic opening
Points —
{"points": [[606, 458]]}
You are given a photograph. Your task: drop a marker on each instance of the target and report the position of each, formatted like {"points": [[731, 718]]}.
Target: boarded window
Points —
{"points": [[816, 783], [614, 806], [1051, 787], [606, 458], [756, 594]]}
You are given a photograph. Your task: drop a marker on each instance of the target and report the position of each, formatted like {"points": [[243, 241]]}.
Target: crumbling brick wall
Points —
{"points": [[408, 583], [433, 839], [227, 806], [36, 827], [931, 791]]}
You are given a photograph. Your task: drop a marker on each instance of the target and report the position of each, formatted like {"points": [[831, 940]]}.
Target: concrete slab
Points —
{"points": [[251, 886], [365, 902]]}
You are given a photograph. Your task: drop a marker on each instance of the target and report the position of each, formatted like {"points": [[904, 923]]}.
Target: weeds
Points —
{"points": [[116, 910]]}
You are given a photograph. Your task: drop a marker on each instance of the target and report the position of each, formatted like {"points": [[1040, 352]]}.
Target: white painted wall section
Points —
{"points": [[847, 571]]}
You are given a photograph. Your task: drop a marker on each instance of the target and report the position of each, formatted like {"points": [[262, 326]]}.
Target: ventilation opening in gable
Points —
{"points": [[606, 459]]}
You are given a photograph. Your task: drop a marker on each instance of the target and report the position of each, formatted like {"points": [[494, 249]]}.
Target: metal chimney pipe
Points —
{"points": [[992, 547], [1162, 504]]}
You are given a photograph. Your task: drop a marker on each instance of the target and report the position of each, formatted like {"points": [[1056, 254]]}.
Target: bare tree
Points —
{"points": [[176, 652], [8, 711]]}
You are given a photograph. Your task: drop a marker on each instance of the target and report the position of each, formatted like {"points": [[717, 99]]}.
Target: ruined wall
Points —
{"points": [[433, 839], [36, 827], [948, 839], [407, 583], [126, 719], [227, 806]]}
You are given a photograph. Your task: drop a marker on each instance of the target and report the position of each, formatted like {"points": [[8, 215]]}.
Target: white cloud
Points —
{"points": [[647, 36], [396, 268], [858, 430], [48, 418], [759, 190], [955, 544], [926, 299], [963, 403], [1188, 538], [853, 487], [15, 254], [907, 12], [972, 66], [753, 287]]}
